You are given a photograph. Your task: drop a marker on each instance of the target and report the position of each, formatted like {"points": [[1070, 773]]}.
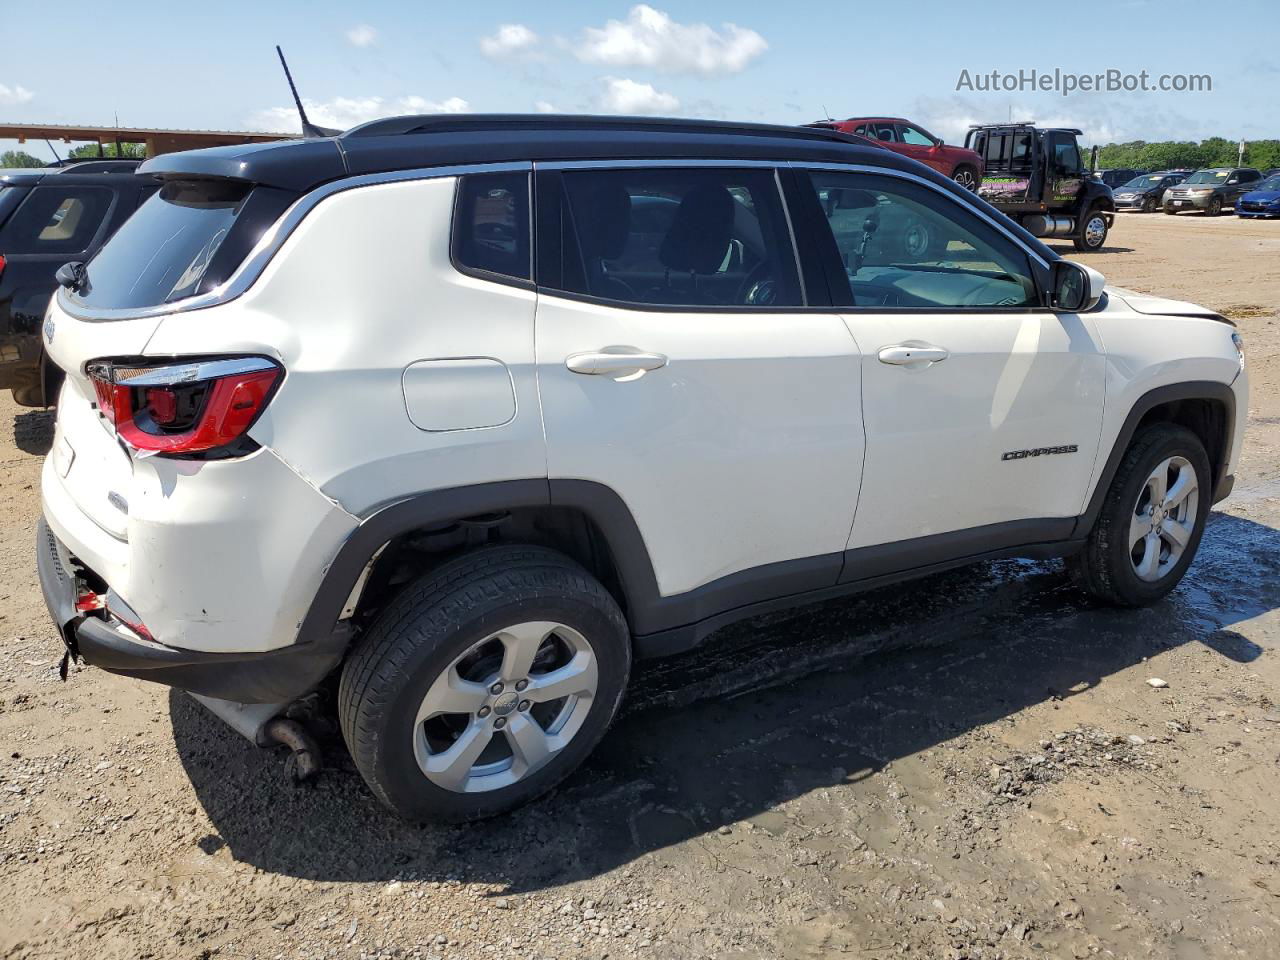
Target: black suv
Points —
{"points": [[48, 217], [1117, 177], [1036, 176]]}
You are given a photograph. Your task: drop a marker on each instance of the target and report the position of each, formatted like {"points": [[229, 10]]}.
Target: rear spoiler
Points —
{"points": [[296, 165]]}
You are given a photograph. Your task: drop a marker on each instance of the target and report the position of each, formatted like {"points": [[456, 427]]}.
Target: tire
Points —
{"points": [[966, 177], [1091, 232], [1149, 205], [455, 612], [1170, 211], [1215, 207], [1106, 568]]}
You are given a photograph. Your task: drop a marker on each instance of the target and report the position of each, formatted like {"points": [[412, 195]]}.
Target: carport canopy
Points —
{"points": [[156, 141]]}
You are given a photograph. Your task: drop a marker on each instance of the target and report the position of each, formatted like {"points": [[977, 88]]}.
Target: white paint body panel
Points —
{"points": [[745, 449], [387, 296], [936, 434]]}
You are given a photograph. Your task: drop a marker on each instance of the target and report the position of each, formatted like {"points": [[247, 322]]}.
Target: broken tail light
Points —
{"points": [[183, 408]]}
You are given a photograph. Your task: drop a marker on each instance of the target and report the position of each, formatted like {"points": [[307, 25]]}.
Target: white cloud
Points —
{"points": [[650, 38], [346, 112], [510, 40], [627, 96], [362, 35], [14, 95], [542, 106]]}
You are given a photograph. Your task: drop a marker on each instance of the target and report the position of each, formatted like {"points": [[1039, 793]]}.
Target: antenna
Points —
{"points": [[825, 113], [309, 129]]}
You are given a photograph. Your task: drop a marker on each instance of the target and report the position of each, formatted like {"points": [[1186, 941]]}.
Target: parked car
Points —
{"points": [[1210, 190], [473, 483], [914, 141], [1261, 202], [1146, 192], [1037, 177], [47, 217], [1268, 174], [1118, 176]]}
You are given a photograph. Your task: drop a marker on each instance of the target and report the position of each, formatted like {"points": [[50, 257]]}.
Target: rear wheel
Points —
{"points": [[1151, 521], [484, 684], [966, 177], [1091, 233]]}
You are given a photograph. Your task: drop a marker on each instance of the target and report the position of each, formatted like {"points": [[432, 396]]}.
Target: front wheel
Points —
{"points": [[1214, 208], [1149, 205], [1091, 233], [484, 684], [1151, 520], [1170, 211]]}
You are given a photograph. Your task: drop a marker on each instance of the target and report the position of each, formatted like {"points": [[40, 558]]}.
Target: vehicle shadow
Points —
{"points": [[767, 711], [33, 432]]}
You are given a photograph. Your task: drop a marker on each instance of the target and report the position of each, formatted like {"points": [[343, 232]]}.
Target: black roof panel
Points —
{"points": [[407, 143]]}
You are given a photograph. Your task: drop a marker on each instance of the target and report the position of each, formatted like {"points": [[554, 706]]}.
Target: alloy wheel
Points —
{"points": [[1163, 518], [505, 707], [966, 179], [1095, 231]]}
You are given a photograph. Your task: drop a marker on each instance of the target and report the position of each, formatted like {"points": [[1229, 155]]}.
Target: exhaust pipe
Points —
{"points": [[263, 725], [1049, 226]]}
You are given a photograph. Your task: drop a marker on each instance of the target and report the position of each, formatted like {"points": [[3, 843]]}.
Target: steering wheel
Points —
{"points": [[759, 289]]}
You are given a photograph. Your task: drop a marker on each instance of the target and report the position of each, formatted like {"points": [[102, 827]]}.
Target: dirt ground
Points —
{"points": [[974, 766]]}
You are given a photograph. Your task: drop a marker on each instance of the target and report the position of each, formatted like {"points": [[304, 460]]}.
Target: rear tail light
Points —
{"points": [[1, 264], [183, 408]]}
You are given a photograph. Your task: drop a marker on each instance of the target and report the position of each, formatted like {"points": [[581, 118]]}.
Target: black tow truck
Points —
{"points": [[1036, 176]]}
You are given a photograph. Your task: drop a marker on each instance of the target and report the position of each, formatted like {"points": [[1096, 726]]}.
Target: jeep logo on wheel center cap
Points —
{"points": [[505, 704]]}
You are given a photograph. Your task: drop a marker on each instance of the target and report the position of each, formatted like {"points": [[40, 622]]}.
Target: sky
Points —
{"points": [[214, 67]]}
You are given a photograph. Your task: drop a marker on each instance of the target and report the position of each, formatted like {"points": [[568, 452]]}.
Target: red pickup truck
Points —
{"points": [[914, 141]]}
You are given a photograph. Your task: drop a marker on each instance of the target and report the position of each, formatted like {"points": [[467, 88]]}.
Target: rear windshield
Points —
{"points": [[162, 251]]}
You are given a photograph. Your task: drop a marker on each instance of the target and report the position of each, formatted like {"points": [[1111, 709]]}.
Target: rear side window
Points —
{"points": [[162, 251], [57, 220], [491, 225], [677, 237]]}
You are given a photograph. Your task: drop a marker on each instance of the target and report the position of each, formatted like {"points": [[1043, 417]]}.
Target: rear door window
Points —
{"points": [[161, 253], [57, 219], [678, 237]]}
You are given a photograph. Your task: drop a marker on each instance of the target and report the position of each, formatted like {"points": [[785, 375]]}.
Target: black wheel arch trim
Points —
{"points": [[1189, 390]]}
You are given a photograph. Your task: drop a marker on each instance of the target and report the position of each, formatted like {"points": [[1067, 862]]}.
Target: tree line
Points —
{"points": [[89, 151], [1175, 155]]}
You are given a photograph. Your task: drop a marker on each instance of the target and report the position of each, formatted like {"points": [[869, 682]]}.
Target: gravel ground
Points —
{"points": [[979, 765]]}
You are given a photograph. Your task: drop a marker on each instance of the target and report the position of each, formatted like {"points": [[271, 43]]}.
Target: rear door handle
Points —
{"points": [[913, 354], [612, 361]]}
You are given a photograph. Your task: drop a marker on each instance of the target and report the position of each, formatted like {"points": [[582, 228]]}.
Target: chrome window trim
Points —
{"points": [[915, 178], [266, 248], [270, 243]]}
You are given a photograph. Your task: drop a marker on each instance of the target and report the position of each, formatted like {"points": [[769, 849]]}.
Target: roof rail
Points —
{"points": [[461, 123]]}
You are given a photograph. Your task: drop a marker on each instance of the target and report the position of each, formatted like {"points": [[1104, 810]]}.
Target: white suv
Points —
{"points": [[465, 413]]}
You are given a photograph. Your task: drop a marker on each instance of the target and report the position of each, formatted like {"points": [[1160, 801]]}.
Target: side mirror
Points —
{"points": [[1076, 288], [70, 275]]}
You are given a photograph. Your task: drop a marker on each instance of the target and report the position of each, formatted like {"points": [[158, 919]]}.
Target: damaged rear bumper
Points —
{"points": [[271, 676]]}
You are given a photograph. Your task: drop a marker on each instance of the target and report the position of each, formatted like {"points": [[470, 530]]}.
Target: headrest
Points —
{"points": [[700, 231], [604, 219]]}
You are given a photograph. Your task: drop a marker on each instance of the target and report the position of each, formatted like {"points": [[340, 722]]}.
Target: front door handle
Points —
{"points": [[612, 361], [913, 354]]}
